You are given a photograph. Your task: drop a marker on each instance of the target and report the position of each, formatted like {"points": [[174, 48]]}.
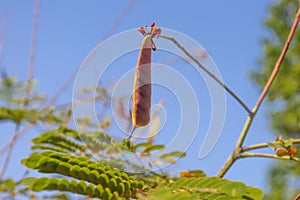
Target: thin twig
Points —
{"points": [[32, 52], [9, 152], [237, 150], [208, 72], [18, 134], [28, 85], [279, 61], [264, 145], [263, 155]]}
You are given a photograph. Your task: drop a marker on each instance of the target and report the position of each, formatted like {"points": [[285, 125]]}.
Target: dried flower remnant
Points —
{"points": [[141, 97]]}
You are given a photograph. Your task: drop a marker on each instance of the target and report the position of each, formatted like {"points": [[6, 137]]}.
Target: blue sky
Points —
{"points": [[230, 31]]}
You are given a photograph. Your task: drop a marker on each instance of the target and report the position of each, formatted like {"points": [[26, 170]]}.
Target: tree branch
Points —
{"points": [[279, 61], [236, 152], [245, 155], [263, 145]]}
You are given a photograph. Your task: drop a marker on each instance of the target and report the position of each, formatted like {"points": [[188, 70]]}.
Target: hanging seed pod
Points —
{"points": [[141, 97], [142, 85]]}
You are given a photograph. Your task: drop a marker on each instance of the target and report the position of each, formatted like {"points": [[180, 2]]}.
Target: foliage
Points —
{"points": [[205, 188], [284, 94], [60, 153], [32, 115], [7, 185], [97, 168], [78, 174], [89, 178]]}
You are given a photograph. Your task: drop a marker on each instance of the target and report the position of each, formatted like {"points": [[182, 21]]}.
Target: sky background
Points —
{"points": [[230, 31]]}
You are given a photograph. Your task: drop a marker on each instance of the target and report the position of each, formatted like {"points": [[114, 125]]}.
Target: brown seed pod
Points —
{"points": [[141, 97], [142, 85]]}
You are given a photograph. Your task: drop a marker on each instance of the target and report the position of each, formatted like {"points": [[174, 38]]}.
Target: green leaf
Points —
{"points": [[107, 194], [63, 185], [173, 156], [205, 188], [253, 193], [198, 173], [142, 145], [288, 143], [32, 161], [234, 189], [81, 187], [154, 148], [178, 154], [6, 185], [167, 158], [40, 184], [28, 181]]}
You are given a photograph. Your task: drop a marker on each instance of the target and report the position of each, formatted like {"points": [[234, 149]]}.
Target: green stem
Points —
{"points": [[263, 145], [248, 154]]}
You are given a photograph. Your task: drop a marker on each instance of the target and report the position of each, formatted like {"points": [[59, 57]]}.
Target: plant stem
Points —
{"points": [[32, 52], [263, 145], [279, 61], [9, 151], [28, 85], [208, 72], [236, 154], [248, 154]]}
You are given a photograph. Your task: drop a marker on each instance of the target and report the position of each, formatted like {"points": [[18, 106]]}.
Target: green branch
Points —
{"points": [[263, 145], [247, 155], [238, 148]]}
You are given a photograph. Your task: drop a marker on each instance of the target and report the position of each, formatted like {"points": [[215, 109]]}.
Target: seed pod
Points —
{"points": [[142, 85], [141, 97]]}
